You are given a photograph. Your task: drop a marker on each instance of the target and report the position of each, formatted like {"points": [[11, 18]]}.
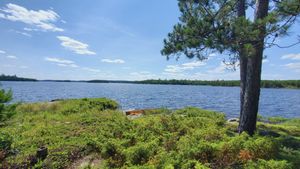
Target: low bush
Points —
{"points": [[185, 138]]}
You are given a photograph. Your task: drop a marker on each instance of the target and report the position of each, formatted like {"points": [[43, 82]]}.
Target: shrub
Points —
{"points": [[262, 147], [5, 141], [271, 164], [193, 164], [6, 111]]}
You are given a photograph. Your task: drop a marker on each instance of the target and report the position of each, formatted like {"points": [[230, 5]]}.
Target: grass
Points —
{"points": [[74, 130]]}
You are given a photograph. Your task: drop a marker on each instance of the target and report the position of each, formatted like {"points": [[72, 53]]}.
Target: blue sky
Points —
{"points": [[115, 39]]}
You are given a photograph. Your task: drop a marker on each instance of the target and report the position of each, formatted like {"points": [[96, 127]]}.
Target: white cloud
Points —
{"points": [[30, 29], [42, 19], [221, 69], [67, 65], [193, 64], [291, 56], [8, 65], [142, 75], [61, 62], [91, 70], [58, 60], [265, 61], [75, 46], [11, 57], [23, 67], [120, 61], [23, 33], [2, 52], [293, 66], [183, 67]]}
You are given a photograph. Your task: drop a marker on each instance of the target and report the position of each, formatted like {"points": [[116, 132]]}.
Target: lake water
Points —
{"points": [[273, 102]]}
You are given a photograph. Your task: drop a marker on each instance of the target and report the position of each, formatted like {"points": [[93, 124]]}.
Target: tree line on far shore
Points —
{"points": [[264, 83], [14, 78]]}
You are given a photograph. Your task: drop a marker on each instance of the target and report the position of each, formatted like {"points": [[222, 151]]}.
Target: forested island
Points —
{"points": [[14, 78]]}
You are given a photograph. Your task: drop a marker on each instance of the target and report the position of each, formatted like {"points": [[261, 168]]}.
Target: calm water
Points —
{"points": [[274, 102]]}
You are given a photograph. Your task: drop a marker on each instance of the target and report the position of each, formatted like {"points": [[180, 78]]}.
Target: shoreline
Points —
{"points": [[142, 83]]}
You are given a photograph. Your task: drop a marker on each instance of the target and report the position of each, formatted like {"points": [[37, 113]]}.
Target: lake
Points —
{"points": [[273, 102]]}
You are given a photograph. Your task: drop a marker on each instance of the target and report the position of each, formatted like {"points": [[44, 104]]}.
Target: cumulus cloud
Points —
{"points": [[42, 19], [11, 57], [75, 46], [291, 56], [61, 62], [119, 61], [142, 75], [293, 66], [183, 67], [219, 69], [223, 67]]}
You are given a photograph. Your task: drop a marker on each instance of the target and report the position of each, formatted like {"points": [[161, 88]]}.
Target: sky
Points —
{"points": [[112, 40]]}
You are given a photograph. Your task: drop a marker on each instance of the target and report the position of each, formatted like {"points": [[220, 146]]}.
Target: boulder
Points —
{"points": [[233, 120]]}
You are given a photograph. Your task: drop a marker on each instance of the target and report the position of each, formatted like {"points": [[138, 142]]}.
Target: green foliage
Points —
{"points": [[71, 106], [6, 111], [185, 138], [5, 141], [264, 83], [271, 164], [210, 25]]}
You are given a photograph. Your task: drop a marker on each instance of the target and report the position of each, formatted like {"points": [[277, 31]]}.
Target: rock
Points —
{"points": [[232, 120], [134, 112], [42, 153]]}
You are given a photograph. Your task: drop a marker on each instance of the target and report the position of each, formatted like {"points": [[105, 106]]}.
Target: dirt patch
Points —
{"points": [[90, 161]]}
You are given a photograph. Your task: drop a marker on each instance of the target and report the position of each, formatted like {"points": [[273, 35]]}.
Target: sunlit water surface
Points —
{"points": [[273, 102]]}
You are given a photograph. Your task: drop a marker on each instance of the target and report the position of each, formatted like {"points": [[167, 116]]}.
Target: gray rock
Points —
{"points": [[232, 120]]}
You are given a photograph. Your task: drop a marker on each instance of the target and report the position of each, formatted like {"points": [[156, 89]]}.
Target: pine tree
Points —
{"points": [[222, 26]]}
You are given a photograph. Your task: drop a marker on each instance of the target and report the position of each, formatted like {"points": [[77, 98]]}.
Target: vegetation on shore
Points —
{"points": [[295, 84], [264, 83], [14, 78], [187, 138]]}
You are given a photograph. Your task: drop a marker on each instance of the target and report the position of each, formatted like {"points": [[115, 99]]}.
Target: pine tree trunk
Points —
{"points": [[251, 81], [241, 12]]}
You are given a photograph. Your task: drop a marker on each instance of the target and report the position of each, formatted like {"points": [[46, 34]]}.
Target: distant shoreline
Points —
{"points": [[289, 84]]}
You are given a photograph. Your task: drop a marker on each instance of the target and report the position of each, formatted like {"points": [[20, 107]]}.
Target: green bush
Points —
{"points": [[185, 138], [5, 141], [193, 164], [271, 164], [6, 111], [262, 147]]}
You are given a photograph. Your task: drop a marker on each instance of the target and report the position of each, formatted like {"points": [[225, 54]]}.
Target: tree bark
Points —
{"points": [[250, 100], [241, 12]]}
